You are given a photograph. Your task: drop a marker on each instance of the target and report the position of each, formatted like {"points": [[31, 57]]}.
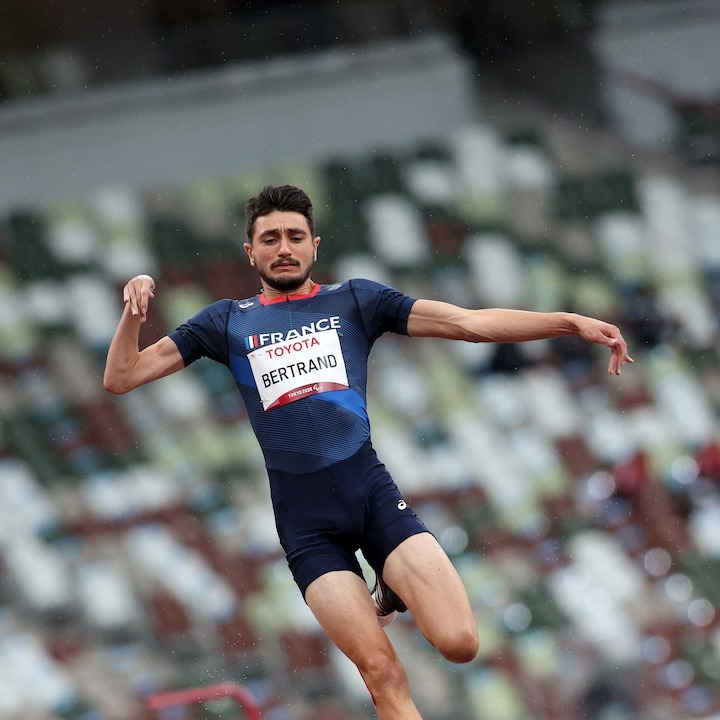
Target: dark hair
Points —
{"points": [[285, 198]]}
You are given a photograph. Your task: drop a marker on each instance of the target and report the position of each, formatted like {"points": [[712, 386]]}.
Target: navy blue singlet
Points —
{"points": [[317, 421]]}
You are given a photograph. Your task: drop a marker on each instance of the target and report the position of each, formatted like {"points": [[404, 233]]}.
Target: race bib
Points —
{"points": [[293, 369]]}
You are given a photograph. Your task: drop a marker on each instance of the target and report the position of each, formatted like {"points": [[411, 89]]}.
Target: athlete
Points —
{"points": [[298, 352]]}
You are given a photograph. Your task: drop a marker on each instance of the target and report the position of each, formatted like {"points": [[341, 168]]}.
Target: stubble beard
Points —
{"points": [[285, 284]]}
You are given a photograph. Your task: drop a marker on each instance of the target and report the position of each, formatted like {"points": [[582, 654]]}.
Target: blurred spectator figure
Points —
{"points": [[644, 320]]}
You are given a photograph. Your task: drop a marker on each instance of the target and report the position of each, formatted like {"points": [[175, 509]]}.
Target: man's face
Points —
{"points": [[282, 250]]}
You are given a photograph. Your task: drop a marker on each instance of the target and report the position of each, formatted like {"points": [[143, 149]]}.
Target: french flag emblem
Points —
{"points": [[252, 342]]}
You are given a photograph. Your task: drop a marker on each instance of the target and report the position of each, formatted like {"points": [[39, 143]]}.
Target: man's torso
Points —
{"points": [[301, 365]]}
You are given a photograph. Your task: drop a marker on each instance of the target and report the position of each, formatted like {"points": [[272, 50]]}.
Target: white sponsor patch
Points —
{"points": [[293, 369]]}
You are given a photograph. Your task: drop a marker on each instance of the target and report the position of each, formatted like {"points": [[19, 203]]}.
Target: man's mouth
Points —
{"points": [[285, 264]]}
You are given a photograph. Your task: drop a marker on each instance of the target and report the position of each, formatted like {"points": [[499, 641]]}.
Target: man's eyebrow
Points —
{"points": [[276, 231]]}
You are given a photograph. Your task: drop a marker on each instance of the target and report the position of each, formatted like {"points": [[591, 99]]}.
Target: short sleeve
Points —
{"points": [[383, 308], [204, 334]]}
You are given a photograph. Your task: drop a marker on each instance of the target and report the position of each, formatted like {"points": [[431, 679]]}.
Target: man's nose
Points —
{"points": [[284, 248]]}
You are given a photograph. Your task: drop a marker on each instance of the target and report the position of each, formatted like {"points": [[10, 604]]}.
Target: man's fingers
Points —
{"points": [[134, 300], [618, 357], [137, 294]]}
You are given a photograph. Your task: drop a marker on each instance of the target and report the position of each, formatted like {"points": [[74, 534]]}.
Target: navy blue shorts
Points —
{"points": [[324, 517]]}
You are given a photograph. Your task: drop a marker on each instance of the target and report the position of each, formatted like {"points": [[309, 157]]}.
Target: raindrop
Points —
{"points": [[454, 540], [601, 485], [684, 470], [679, 674], [678, 587], [657, 562], [656, 649], [517, 617], [701, 612]]}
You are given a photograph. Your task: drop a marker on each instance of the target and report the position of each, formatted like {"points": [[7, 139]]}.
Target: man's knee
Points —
{"points": [[460, 646], [384, 675]]}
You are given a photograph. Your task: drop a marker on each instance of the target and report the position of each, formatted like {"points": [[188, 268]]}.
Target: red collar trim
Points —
{"points": [[288, 298]]}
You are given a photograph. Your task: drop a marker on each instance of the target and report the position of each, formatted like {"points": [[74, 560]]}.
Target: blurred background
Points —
{"points": [[554, 154]]}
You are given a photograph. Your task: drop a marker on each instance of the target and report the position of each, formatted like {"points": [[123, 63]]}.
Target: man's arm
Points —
{"points": [[126, 366], [429, 318]]}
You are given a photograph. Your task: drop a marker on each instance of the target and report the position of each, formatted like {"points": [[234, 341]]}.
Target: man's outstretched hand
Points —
{"points": [[603, 333]]}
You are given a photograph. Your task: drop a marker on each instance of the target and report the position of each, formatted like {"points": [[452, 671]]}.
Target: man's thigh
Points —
{"points": [[342, 605], [420, 572]]}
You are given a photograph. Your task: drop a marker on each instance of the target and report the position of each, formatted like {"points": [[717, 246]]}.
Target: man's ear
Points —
{"points": [[316, 242], [248, 249]]}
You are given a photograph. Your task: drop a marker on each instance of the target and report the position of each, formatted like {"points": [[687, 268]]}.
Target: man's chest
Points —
{"points": [[293, 355]]}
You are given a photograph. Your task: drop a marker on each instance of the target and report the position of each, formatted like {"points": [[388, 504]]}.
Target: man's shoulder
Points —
{"points": [[245, 304], [357, 284], [223, 308], [233, 305]]}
